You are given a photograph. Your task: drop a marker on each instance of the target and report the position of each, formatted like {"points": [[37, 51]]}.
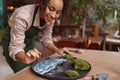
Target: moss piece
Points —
{"points": [[68, 57], [81, 64], [71, 73]]}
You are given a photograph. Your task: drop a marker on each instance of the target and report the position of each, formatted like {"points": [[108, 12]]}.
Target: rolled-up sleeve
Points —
{"points": [[18, 25], [17, 37], [45, 37]]}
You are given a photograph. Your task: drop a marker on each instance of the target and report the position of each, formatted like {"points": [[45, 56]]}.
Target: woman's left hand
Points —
{"points": [[63, 51], [60, 51]]}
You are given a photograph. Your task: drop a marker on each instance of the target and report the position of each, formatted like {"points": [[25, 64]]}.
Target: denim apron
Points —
{"points": [[29, 42]]}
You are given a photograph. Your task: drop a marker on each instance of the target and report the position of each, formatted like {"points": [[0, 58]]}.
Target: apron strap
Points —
{"points": [[35, 12]]}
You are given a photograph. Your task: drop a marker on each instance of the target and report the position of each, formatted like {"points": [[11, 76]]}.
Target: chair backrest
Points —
{"points": [[94, 29]]}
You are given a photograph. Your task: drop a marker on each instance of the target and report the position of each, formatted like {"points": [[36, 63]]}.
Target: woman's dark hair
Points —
{"points": [[43, 2]]}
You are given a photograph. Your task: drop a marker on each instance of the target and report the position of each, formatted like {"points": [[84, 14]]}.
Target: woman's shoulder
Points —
{"points": [[26, 8], [23, 14]]}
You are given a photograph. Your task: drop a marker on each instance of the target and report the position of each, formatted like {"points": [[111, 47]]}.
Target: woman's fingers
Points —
{"points": [[29, 55], [60, 51], [39, 53], [63, 51], [36, 50], [29, 58], [34, 54], [66, 50]]}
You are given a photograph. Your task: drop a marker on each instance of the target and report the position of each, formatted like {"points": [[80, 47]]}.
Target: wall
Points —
{"points": [[1, 14]]}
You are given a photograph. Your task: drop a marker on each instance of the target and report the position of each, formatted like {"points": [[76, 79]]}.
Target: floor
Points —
{"points": [[5, 70]]}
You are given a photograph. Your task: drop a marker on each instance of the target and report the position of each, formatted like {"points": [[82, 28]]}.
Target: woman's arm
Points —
{"points": [[55, 49], [19, 23], [29, 57]]}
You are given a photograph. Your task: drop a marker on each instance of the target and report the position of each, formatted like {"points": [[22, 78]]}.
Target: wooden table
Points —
{"points": [[101, 62], [71, 42]]}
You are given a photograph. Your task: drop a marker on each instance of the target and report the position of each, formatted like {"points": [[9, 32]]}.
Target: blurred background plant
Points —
{"points": [[85, 11], [107, 12]]}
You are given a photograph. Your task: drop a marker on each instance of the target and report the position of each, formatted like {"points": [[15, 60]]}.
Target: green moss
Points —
{"points": [[68, 57], [81, 64], [71, 73]]}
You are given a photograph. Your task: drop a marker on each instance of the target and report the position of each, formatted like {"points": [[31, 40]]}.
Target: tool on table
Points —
{"points": [[102, 76], [70, 51]]}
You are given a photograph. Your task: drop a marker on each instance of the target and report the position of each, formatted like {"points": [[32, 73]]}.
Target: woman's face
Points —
{"points": [[53, 10]]}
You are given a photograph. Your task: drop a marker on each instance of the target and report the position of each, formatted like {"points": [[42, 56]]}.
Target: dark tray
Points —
{"points": [[56, 75]]}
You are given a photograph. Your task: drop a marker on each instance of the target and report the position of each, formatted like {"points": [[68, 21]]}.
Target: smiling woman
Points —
{"points": [[53, 8], [52, 11], [19, 46]]}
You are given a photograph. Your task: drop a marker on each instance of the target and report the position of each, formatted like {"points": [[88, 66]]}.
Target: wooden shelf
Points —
{"points": [[96, 43]]}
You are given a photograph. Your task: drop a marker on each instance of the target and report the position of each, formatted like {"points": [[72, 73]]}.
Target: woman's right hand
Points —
{"points": [[32, 55], [29, 57]]}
